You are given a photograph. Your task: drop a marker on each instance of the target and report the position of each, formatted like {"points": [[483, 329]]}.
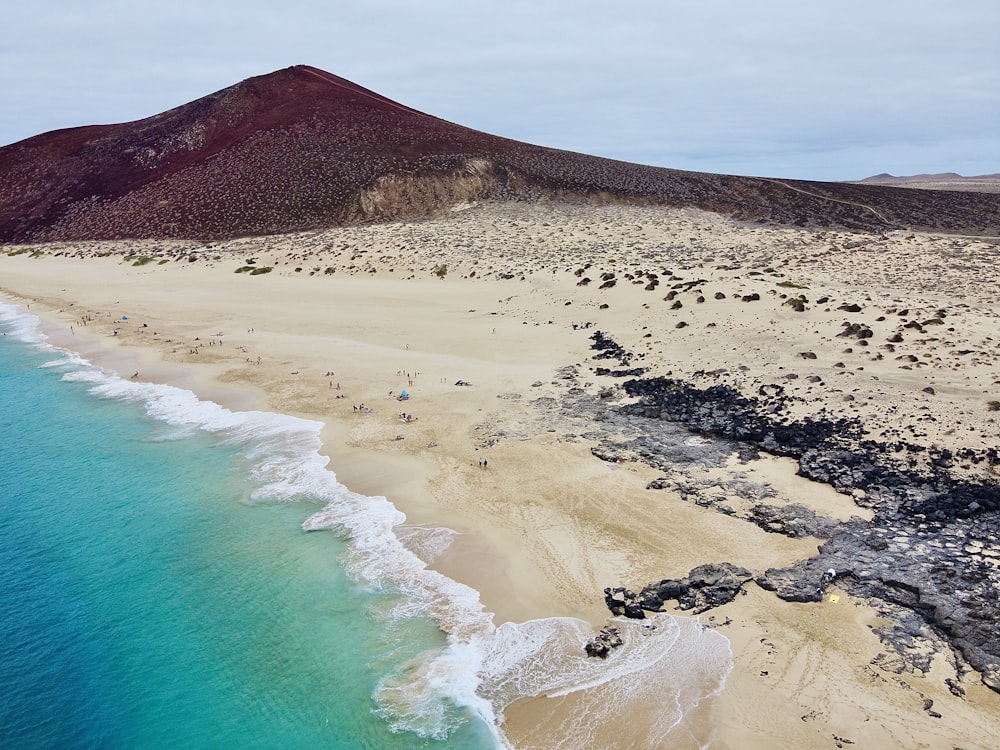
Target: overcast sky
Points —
{"points": [[783, 88]]}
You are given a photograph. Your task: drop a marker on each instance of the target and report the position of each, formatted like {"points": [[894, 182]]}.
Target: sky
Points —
{"points": [[778, 88]]}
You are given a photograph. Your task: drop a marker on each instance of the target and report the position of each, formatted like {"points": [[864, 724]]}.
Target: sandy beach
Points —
{"points": [[485, 317]]}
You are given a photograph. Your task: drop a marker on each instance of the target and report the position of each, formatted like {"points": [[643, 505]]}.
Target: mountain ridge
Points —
{"points": [[985, 183], [301, 149]]}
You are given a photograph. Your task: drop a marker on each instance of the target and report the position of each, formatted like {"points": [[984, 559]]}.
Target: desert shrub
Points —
{"points": [[441, 270], [792, 285], [260, 270], [141, 260]]}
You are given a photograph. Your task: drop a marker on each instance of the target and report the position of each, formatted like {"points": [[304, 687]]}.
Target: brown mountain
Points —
{"points": [[984, 183], [302, 149]]}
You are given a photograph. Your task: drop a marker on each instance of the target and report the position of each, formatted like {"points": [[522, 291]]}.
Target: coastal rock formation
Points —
{"points": [[621, 601], [932, 547], [301, 149], [703, 588], [609, 637]]}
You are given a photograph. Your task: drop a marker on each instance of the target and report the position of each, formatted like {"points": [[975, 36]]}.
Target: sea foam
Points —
{"points": [[481, 669]]}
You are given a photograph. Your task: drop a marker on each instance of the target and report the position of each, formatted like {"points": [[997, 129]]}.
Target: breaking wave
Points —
{"points": [[664, 670]]}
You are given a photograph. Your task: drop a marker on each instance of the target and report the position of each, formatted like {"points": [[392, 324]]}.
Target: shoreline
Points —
{"points": [[541, 530]]}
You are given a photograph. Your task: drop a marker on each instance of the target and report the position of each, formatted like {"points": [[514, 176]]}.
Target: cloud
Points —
{"points": [[773, 87]]}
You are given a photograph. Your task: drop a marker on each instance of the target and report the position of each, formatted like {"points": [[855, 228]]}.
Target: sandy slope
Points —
{"points": [[546, 525]]}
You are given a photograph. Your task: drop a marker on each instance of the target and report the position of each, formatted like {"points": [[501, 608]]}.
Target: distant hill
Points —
{"points": [[985, 183], [302, 149]]}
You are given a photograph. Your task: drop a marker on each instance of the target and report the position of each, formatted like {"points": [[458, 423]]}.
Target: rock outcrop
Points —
{"points": [[608, 638], [932, 547], [703, 588]]}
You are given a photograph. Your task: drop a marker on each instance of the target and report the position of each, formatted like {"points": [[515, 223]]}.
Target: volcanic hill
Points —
{"points": [[302, 149], [984, 183]]}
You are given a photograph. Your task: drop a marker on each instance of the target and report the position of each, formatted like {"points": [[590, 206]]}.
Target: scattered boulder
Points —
{"points": [[601, 644], [856, 330]]}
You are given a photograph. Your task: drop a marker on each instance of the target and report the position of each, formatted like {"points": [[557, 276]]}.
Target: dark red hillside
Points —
{"points": [[302, 149]]}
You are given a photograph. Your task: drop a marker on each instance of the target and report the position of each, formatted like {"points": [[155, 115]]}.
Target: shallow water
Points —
{"points": [[176, 574], [157, 590]]}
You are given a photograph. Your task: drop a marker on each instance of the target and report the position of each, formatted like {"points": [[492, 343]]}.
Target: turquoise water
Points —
{"points": [[157, 588], [177, 575]]}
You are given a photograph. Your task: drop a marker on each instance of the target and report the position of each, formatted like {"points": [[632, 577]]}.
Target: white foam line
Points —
{"points": [[282, 453], [482, 668]]}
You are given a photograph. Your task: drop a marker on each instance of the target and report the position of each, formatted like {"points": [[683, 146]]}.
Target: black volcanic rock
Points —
{"points": [[929, 557], [303, 149], [705, 587], [608, 638]]}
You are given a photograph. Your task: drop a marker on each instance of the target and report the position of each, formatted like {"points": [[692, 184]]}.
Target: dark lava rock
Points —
{"points": [[932, 548], [802, 582], [629, 373], [856, 330], [704, 588], [601, 644], [792, 520], [609, 349]]}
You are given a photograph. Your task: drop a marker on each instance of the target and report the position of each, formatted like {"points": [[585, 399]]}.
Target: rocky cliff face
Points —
{"points": [[398, 196]]}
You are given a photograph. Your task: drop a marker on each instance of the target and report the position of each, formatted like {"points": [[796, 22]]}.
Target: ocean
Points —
{"points": [[175, 574]]}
